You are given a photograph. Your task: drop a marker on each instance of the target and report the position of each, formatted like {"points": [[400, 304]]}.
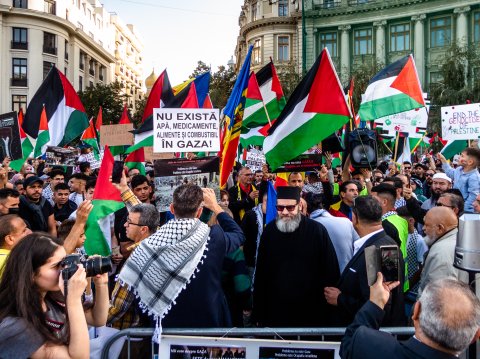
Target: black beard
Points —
{"points": [[435, 196]]}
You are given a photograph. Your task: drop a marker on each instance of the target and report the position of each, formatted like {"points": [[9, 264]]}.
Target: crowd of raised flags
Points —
{"points": [[256, 115]]}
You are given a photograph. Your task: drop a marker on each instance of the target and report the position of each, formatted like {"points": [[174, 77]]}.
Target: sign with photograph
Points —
{"points": [[255, 160], [10, 143], [60, 156], [186, 130], [461, 122], [171, 173]]}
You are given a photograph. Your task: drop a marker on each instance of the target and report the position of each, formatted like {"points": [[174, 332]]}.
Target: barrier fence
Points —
{"points": [[324, 339]]}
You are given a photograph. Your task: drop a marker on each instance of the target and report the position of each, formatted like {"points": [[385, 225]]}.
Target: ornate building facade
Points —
{"points": [[77, 36], [359, 31]]}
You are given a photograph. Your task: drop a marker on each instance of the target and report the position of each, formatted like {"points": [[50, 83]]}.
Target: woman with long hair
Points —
{"points": [[36, 320]]}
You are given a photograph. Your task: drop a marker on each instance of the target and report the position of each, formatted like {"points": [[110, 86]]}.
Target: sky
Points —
{"points": [[177, 34]]}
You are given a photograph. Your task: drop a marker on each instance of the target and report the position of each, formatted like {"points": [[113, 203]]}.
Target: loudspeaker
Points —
{"points": [[363, 148]]}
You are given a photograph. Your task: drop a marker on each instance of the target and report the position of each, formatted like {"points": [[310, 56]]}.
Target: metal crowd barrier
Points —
{"points": [[277, 333]]}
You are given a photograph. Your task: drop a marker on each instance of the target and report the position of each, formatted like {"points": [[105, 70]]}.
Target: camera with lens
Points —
{"points": [[93, 265]]}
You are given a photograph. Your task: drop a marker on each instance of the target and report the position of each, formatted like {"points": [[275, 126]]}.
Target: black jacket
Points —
{"points": [[363, 340], [353, 284]]}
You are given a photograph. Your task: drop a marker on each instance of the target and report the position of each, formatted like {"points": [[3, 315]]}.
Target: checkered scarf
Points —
{"points": [[163, 264]]}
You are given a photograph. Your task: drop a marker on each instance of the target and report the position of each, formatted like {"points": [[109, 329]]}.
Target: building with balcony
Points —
{"points": [[77, 36], [364, 31], [272, 27], [128, 59]]}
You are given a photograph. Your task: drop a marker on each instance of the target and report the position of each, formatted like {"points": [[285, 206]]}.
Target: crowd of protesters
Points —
{"points": [[215, 261]]}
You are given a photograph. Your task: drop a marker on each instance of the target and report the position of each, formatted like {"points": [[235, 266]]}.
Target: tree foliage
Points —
{"points": [[460, 82], [289, 78], [138, 114], [109, 97]]}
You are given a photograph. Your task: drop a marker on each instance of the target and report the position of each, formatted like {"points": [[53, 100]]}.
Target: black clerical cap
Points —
{"points": [[285, 192]]}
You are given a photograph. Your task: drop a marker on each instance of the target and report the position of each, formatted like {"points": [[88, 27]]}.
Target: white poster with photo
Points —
{"points": [[461, 122], [186, 130], [255, 160]]}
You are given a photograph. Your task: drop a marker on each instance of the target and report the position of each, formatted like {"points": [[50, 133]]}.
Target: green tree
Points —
{"points": [[138, 114], [221, 86], [289, 77], [458, 84], [109, 97], [200, 69]]}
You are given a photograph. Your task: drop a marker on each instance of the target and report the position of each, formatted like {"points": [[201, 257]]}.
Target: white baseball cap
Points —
{"points": [[441, 176]]}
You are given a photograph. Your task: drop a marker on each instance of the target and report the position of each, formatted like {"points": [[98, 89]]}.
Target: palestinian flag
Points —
{"points": [[118, 150], [316, 109], [64, 112], [264, 93], [89, 136], [43, 136], [27, 147], [99, 121], [106, 200], [136, 159], [393, 90], [453, 147], [255, 136]]}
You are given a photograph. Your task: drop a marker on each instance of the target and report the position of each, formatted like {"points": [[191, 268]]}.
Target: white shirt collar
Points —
{"points": [[361, 241]]}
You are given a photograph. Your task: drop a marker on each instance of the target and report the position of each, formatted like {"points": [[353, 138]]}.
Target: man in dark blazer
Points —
{"points": [[445, 318], [352, 290]]}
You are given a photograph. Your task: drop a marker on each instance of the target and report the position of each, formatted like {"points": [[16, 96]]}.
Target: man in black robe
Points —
{"points": [[295, 261]]}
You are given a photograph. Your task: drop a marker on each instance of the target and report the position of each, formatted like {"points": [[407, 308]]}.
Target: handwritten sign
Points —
{"points": [[116, 135], [461, 122], [186, 130], [151, 156]]}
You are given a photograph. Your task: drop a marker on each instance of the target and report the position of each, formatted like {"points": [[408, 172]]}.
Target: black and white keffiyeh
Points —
{"points": [[163, 264]]}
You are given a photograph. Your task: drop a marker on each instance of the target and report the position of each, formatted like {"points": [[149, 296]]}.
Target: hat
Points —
{"points": [[31, 180], [286, 192], [442, 176], [417, 182]]}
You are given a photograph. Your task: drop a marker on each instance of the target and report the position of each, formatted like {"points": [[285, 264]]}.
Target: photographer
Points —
{"points": [[36, 321]]}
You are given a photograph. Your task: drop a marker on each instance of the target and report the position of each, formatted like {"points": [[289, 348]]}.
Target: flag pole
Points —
{"points": [[388, 148], [418, 143], [266, 112]]}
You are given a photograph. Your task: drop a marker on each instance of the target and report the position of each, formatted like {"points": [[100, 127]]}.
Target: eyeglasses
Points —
{"points": [[378, 179], [407, 168], [248, 175], [130, 223], [429, 174], [444, 205], [289, 208]]}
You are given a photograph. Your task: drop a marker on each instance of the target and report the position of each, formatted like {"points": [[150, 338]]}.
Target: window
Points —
{"points": [[82, 60], [19, 102], [363, 42], [66, 50], [19, 38], [329, 40], [282, 7], [46, 68], [254, 10], [101, 73], [257, 52], [283, 48], [435, 77], [90, 84], [476, 27], [91, 67], [19, 72], [49, 7], [400, 37], [440, 31], [49, 43], [330, 4], [23, 4], [80, 83], [80, 25]]}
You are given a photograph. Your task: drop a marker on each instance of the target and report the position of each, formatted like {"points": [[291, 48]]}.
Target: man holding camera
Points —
{"points": [[352, 290]]}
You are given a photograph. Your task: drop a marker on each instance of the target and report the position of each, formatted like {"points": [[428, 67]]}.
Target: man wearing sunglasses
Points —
{"points": [[295, 262]]}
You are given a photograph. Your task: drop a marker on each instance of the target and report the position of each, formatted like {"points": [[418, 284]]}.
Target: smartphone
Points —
{"points": [[117, 171], [390, 263], [385, 259]]}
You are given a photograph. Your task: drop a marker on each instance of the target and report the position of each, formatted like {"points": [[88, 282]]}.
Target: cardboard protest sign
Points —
{"points": [[186, 130], [171, 173], [461, 122], [151, 156], [116, 135], [10, 143]]}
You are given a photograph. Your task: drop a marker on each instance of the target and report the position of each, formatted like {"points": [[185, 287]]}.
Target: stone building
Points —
{"points": [[359, 31], [77, 36]]}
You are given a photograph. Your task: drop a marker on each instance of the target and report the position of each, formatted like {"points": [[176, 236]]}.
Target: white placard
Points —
{"points": [[407, 121], [186, 130], [255, 160], [461, 122]]}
